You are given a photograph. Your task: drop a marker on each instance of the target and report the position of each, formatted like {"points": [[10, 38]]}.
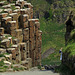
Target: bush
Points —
{"points": [[39, 67]]}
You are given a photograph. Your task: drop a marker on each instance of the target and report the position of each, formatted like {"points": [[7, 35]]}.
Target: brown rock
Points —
{"points": [[26, 34], [2, 58], [1, 31], [8, 57], [23, 51], [12, 51], [25, 63], [2, 50], [15, 41], [8, 11], [5, 43]]}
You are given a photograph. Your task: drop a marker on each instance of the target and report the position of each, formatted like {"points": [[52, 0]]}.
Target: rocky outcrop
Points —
{"points": [[69, 50], [20, 35]]}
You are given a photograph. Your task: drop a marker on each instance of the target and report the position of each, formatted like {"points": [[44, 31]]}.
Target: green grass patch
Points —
{"points": [[70, 49], [53, 35], [1, 63], [53, 59], [1, 55], [64, 70], [9, 36], [13, 7]]}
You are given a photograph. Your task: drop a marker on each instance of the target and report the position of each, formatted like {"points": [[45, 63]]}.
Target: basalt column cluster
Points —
{"points": [[20, 34]]}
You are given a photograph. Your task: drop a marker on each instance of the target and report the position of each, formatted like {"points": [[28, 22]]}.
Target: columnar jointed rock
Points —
{"points": [[20, 35], [1, 31], [23, 51], [14, 18], [4, 22], [11, 27]]}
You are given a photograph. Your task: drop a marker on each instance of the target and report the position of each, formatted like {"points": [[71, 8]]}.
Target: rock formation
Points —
{"points": [[20, 35], [69, 50]]}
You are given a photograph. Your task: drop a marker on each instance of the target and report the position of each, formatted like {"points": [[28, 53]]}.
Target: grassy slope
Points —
{"points": [[52, 37]]}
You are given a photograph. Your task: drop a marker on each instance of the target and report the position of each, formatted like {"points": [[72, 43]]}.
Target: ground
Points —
{"points": [[30, 73]]}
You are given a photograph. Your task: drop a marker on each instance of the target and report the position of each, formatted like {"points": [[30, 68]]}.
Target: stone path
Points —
{"points": [[30, 73]]}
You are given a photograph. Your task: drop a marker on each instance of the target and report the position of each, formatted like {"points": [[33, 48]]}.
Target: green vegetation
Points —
{"points": [[1, 63], [18, 69], [53, 35], [52, 59], [13, 7], [1, 55], [39, 67], [70, 49], [64, 70], [9, 36]]}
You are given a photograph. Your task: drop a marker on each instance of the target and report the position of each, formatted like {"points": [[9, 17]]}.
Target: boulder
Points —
{"points": [[15, 41], [2, 50], [5, 43], [8, 11], [13, 52], [7, 64], [25, 63], [2, 58], [8, 57]]}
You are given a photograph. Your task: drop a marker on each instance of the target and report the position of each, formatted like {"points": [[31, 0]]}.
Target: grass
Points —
{"points": [[18, 69], [70, 48], [13, 7], [52, 59], [52, 37], [1, 63], [9, 36], [64, 70]]}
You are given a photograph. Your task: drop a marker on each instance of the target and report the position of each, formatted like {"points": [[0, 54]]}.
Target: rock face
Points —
{"points": [[70, 26], [69, 51], [20, 34]]}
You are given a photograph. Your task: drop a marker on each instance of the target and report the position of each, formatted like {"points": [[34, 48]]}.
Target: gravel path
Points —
{"points": [[30, 73]]}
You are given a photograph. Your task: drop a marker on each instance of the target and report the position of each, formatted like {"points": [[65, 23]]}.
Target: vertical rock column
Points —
{"points": [[23, 51], [2, 15], [28, 5], [31, 23], [39, 47], [26, 40], [37, 26], [1, 31], [20, 3], [15, 18], [24, 26], [11, 25], [19, 35], [24, 21], [4, 22], [18, 55]]}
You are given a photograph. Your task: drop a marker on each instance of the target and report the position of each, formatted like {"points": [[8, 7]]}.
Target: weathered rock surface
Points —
{"points": [[20, 36]]}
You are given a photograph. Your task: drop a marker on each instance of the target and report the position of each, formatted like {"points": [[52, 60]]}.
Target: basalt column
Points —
{"points": [[25, 27], [15, 18], [31, 23], [38, 43]]}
